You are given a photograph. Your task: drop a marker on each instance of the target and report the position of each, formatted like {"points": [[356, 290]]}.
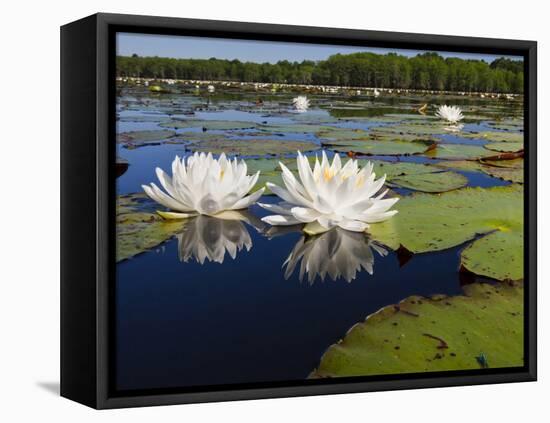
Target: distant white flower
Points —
{"points": [[376, 93], [336, 253], [330, 195], [300, 103], [204, 185], [452, 114], [211, 88]]}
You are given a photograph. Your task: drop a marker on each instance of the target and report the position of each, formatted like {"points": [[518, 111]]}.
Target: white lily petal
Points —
{"points": [[353, 225], [246, 202], [304, 214], [277, 219]]}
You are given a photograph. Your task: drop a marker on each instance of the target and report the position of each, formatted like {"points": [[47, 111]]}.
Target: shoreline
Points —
{"points": [[309, 88]]}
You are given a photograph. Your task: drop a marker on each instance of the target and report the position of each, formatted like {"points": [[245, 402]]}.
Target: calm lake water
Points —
{"points": [[183, 324]]}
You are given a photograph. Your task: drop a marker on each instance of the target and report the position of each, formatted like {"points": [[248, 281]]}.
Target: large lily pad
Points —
{"points": [[505, 147], [506, 172], [428, 222], [213, 125], [515, 124], [252, 147], [481, 329], [513, 164], [293, 128], [346, 134], [497, 136], [138, 138], [464, 165], [139, 228], [431, 182], [458, 152], [339, 134], [417, 129], [380, 148]]}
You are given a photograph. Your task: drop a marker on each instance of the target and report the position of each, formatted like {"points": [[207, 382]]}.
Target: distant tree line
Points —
{"points": [[428, 71]]}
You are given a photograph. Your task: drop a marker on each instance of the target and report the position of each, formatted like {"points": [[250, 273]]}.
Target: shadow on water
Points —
{"points": [[184, 319]]}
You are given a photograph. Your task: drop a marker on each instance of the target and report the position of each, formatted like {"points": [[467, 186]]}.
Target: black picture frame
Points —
{"points": [[87, 206]]}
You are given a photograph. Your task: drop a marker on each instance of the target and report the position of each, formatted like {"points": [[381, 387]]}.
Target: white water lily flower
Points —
{"points": [[300, 103], [452, 114], [210, 238], [335, 253], [201, 184], [330, 195]]}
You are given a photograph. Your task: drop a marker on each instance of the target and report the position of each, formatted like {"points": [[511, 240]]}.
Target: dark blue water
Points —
{"points": [[186, 324]]}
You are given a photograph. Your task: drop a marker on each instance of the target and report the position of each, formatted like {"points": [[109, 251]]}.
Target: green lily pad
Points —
{"points": [[338, 134], [428, 222], [514, 163], [506, 173], [464, 165], [411, 116], [141, 118], [458, 152], [494, 136], [505, 147], [137, 138], [346, 134], [212, 125], [513, 124], [198, 136], [138, 226], [377, 135], [380, 148], [417, 129], [293, 128], [431, 182], [310, 118], [481, 329], [252, 147]]}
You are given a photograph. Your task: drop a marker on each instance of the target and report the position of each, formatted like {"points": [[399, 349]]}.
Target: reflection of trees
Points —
{"points": [[209, 238], [336, 253]]}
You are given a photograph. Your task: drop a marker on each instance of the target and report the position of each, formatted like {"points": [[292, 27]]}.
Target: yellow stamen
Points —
{"points": [[328, 174]]}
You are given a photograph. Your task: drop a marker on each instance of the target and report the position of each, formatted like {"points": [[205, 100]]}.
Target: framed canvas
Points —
{"points": [[256, 211]]}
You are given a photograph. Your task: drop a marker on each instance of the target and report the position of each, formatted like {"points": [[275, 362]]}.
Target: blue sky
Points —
{"points": [[246, 50]]}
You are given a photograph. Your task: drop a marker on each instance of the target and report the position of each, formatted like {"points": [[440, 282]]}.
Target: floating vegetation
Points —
{"points": [[139, 228], [494, 136], [210, 125], [141, 138], [505, 147], [434, 334], [380, 148], [458, 152], [491, 218], [252, 147]]}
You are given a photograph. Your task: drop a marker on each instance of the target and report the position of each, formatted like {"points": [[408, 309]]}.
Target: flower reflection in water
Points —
{"points": [[336, 253], [209, 238]]}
